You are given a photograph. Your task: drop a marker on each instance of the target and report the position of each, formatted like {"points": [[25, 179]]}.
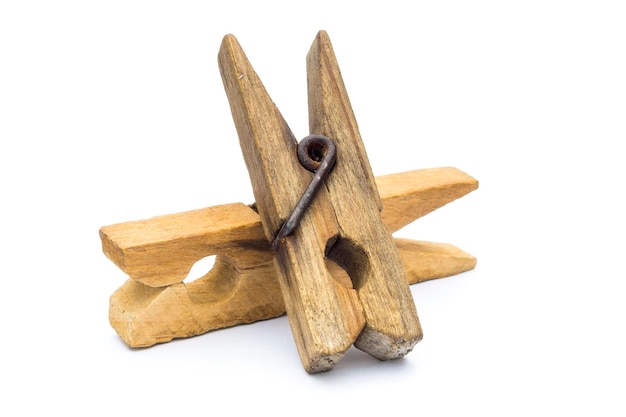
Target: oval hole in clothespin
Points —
{"points": [[200, 269], [351, 258], [217, 284], [339, 274]]}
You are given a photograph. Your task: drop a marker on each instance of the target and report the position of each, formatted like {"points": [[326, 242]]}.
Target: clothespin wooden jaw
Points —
{"points": [[339, 274]]}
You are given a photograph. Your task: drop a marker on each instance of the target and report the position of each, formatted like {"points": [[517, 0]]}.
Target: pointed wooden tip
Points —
{"points": [[322, 37], [424, 261], [321, 46], [229, 43], [229, 53], [407, 196], [237, 72]]}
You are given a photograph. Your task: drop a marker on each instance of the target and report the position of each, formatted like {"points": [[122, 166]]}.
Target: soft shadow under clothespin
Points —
{"points": [[343, 223]]}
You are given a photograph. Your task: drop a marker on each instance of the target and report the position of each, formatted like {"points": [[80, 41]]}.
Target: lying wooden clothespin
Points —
{"points": [[337, 272]]}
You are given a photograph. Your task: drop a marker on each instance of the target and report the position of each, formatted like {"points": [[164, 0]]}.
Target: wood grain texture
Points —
{"points": [[161, 250], [226, 296], [365, 247], [243, 286], [325, 317], [407, 196]]}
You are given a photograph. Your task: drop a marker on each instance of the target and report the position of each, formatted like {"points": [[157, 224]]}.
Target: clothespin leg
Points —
{"points": [[365, 247], [325, 316]]}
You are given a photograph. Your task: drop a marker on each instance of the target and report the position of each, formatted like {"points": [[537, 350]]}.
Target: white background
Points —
{"points": [[115, 111]]}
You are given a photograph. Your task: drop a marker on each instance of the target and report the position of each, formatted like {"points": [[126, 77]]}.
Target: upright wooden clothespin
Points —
{"points": [[330, 263], [344, 222]]}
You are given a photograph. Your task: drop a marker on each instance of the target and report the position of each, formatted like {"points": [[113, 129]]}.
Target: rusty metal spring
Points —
{"points": [[318, 154]]}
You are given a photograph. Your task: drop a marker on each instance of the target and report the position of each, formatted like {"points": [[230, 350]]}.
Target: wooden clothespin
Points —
{"points": [[361, 298], [344, 223]]}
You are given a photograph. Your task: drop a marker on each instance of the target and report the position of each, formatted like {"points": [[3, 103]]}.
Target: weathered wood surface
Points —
{"points": [[144, 316], [325, 317], [242, 287], [160, 251], [365, 247]]}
